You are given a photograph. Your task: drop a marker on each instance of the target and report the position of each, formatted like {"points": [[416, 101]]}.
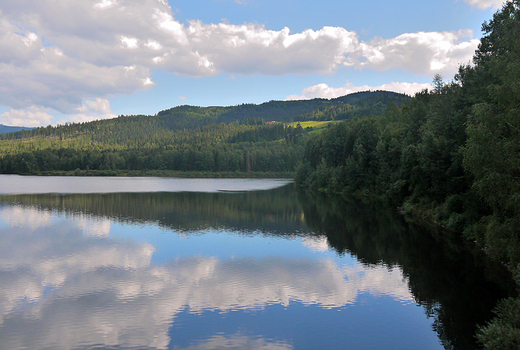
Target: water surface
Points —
{"points": [[266, 269], [16, 184]]}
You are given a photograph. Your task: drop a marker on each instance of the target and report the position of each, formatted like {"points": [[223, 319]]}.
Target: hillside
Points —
{"points": [[361, 104], [230, 140], [191, 117]]}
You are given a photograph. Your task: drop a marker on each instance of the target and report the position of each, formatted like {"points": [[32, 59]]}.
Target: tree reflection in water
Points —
{"points": [[455, 283]]}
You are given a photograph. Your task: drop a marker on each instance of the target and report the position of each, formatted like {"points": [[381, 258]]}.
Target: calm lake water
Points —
{"points": [[146, 263]]}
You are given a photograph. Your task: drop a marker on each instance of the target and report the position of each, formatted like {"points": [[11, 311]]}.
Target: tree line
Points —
{"points": [[245, 146]]}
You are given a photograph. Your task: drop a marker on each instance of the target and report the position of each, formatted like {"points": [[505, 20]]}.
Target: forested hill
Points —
{"points": [[358, 104], [191, 117], [231, 140]]}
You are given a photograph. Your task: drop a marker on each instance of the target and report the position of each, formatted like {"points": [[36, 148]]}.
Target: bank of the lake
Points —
{"points": [[169, 173]]}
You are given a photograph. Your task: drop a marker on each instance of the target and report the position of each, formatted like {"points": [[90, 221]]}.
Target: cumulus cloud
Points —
{"points": [[93, 110], [98, 106], [419, 53], [253, 49], [32, 116], [325, 91], [485, 4], [55, 55], [50, 79], [35, 116]]}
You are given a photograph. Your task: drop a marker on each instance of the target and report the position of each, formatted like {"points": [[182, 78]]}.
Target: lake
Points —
{"points": [[148, 263]]}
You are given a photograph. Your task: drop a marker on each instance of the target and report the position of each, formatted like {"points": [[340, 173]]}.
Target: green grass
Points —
{"points": [[317, 126]]}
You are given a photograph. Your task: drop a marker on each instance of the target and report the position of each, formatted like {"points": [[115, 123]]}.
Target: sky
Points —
{"points": [[79, 60]]}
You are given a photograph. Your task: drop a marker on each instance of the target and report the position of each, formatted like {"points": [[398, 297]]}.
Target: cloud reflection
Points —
{"points": [[29, 218], [239, 342], [61, 288], [95, 226], [317, 244]]}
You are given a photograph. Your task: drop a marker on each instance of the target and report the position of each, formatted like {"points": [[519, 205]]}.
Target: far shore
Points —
{"points": [[167, 173]]}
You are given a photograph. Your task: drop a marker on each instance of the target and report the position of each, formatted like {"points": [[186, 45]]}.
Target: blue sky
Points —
{"points": [[79, 60]]}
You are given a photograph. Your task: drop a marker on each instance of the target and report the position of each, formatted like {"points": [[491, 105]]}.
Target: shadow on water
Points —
{"points": [[455, 282]]}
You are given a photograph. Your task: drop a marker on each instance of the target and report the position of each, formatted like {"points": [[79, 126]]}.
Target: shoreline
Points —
{"points": [[165, 173]]}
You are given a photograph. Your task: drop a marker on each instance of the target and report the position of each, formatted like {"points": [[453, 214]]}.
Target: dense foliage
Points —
{"points": [[353, 105], [243, 139], [216, 148], [451, 154]]}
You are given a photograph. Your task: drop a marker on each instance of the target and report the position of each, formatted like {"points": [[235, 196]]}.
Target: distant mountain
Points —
{"points": [[364, 103], [4, 129]]}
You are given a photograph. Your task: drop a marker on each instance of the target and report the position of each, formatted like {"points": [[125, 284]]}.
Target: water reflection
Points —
{"points": [[16, 184], [239, 342], [455, 282], [276, 211], [67, 282], [55, 278]]}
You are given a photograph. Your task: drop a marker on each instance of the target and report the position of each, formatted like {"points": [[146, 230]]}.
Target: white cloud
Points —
{"points": [[104, 4], [423, 53], [54, 55], [130, 43], [154, 45], [51, 79], [325, 91], [252, 49], [484, 4], [99, 106], [93, 110], [32, 116]]}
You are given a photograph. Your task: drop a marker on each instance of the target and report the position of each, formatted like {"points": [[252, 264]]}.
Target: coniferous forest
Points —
{"points": [[451, 155], [193, 141]]}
